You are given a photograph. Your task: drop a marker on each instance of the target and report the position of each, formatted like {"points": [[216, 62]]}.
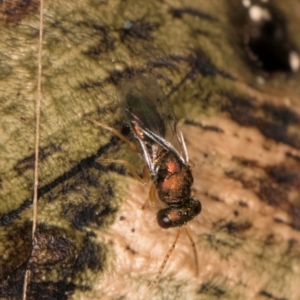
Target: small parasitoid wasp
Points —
{"points": [[162, 147]]}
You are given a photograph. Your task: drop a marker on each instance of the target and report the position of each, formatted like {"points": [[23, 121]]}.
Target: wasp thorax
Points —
{"points": [[173, 180]]}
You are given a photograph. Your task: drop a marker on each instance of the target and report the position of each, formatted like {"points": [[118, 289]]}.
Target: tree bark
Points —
{"points": [[242, 129]]}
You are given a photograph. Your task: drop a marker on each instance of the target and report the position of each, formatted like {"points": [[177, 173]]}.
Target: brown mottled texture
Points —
{"points": [[13, 11], [242, 125]]}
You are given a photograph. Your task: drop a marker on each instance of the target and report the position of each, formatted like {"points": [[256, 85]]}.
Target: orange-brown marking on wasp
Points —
{"points": [[161, 145]]}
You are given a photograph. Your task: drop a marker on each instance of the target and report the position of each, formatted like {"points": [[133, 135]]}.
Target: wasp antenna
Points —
{"points": [[158, 275], [194, 248]]}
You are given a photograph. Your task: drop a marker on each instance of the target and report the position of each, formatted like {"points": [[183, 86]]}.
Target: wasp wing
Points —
{"points": [[150, 114]]}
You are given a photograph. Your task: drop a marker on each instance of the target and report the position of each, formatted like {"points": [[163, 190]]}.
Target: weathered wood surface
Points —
{"points": [[242, 133]]}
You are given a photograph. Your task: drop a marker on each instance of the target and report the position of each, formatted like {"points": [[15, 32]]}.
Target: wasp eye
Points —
{"points": [[197, 207], [162, 220]]}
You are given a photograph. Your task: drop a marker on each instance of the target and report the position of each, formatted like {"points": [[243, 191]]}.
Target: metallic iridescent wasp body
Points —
{"points": [[163, 149], [154, 126]]}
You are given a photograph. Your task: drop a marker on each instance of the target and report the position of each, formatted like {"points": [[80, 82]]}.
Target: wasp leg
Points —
{"points": [[132, 146], [182, 142], [191, 164], [151, 196], [181, 139], [128, 166], [194, 248], [158, 275], [146, 174]]}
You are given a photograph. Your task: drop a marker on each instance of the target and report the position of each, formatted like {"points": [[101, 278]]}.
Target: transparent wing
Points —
{"points": [[150, 114]]}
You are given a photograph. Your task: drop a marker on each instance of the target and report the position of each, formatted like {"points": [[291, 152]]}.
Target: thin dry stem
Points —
{"points": [[37, 144]]}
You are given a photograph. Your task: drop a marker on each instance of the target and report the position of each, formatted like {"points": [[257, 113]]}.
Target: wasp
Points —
{"points": [[162, 147]]}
